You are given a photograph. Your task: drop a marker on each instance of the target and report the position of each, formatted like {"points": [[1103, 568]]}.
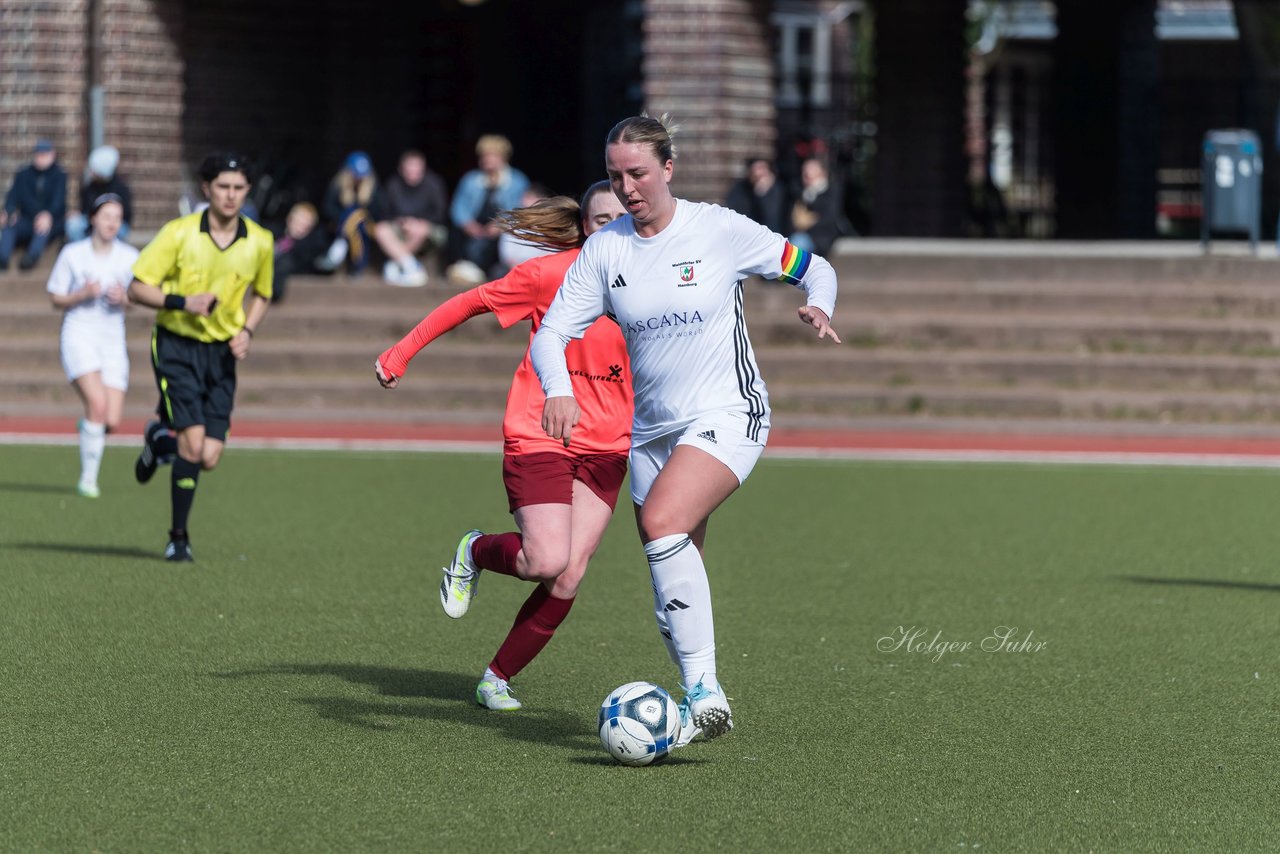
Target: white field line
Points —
{"points": [[1130, 458]]}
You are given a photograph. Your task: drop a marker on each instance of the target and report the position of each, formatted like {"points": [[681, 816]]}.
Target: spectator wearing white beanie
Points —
{"points": [[99, 179]]}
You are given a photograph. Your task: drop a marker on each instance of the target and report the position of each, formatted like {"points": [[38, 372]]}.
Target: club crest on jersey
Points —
{"points": [[686, 270]]}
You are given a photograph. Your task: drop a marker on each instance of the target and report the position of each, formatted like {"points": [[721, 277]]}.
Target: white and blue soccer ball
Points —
{"points": [[639, 723]]}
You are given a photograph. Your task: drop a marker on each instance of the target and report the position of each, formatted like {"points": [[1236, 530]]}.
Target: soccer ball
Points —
{"points": [[639, 723]]}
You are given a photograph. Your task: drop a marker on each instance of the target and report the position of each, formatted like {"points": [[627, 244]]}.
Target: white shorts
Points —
{"points": [[723, 435], [87, 348]]}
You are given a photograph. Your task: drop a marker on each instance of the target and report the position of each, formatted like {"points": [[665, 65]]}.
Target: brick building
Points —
{"points": [[298, 83], [885, 85]]}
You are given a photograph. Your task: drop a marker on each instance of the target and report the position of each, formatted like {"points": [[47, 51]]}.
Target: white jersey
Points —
{"points": [[93, 332], [77, 263], [678, 298]]}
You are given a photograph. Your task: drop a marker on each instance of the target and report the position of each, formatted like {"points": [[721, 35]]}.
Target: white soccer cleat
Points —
{"points": [[709, 710], [88, 490], [688, 731], [461, 577], [496, 694]]}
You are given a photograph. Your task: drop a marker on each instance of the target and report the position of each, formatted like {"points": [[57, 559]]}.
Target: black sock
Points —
{"points": [[164, 442], [182, 490], [165, 445]]}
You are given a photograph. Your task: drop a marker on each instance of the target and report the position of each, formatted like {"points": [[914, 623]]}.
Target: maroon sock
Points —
{"points": [[537, 621], [497, 552]]}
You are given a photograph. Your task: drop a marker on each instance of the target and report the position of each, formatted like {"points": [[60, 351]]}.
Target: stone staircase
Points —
{"points": [[937, 334]]}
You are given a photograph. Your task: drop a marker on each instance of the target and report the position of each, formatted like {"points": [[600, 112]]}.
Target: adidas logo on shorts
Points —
{"points": [[709, 435]]}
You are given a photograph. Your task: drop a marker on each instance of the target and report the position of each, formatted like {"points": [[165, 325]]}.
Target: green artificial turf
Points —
{"points": [[298, 688]]}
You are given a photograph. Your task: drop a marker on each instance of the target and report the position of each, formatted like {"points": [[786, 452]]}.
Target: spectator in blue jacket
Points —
{"points": [[495, 186], [35, 208]]}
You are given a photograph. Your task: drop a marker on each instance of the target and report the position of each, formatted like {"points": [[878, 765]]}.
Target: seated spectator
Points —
{"points": [[298, 249], [495, 186], [411, 211], [760, 195], [35, 209], [817, 216], [511, 249], [100, 179], [346, 207]]}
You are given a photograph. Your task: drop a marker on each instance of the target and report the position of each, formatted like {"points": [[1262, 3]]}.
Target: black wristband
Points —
{"points": [[175, 302], [247, 329]]}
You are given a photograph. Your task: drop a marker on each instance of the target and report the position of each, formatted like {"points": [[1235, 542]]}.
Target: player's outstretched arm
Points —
{"points": [[453, 312]]}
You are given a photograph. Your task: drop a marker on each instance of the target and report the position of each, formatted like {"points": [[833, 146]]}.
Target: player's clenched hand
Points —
{"points": [[559, 415], [201, 304], [240, 343], [818, 319], [385, 378], [91, 290]]}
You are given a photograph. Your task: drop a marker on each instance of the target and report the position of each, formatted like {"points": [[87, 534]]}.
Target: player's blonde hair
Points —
{"points": [[646, 130], [555, 222]]}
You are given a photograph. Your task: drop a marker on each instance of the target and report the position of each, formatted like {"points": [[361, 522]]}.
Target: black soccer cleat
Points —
{"points": [[179, 548], [145, 466], [147, 462]]}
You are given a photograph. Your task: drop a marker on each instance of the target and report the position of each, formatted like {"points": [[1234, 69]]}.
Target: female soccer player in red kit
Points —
{"points": [[561, 493]]}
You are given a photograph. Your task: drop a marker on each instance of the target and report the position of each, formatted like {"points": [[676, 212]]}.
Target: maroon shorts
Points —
{"points": [[547, 478]]}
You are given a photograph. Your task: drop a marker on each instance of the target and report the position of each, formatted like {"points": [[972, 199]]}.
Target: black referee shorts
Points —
{"points": [[197, 382]]}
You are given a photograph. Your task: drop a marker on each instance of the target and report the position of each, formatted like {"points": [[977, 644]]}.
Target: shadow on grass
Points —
{"points": [[1203, 582], [447, 695], [672, 760], [83, 549], [43, 488]]}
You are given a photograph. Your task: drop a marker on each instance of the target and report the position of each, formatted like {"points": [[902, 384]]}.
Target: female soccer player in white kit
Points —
{"points": [[671, 275], [88, 283]]}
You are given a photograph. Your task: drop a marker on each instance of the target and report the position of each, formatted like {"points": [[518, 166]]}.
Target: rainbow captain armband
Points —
{"points": [[795, 263]]}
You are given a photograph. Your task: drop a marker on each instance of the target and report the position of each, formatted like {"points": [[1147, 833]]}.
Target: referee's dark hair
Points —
{"points": [[225, 161]]}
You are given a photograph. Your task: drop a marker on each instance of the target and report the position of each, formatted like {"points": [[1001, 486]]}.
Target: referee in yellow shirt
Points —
{"points": [[196, 273]]}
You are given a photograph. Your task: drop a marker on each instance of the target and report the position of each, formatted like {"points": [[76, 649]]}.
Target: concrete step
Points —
{"points": [[375, 327], [965, 334], [34, 361], [33, 357], [288, 358], [425, 392], [1157, 300], [433, 398], [1051, 262], [985, 369], [1175, 405], [1060, 332], [1145, 299], [141, 407]]}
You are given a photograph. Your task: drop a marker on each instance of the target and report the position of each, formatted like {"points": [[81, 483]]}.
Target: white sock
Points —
{"points": [[683, 594], [664, 629], [93, 437]]}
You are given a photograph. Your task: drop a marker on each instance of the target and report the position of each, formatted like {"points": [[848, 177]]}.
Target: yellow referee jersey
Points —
{"points": [[183, 259]]}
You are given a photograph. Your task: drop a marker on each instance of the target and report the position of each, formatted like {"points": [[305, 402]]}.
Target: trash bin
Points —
{"points": [[1231, 185]]}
